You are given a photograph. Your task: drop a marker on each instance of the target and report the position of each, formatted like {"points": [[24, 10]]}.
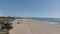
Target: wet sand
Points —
{"points": [[30, 26]]}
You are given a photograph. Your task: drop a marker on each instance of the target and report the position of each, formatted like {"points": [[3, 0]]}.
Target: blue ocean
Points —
{"points": [[53, 20]]}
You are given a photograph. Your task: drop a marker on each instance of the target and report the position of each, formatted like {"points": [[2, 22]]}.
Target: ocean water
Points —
{"points": [[49, 20]]}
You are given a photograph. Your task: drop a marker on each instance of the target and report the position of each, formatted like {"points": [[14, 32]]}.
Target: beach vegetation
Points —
{"points": [[5, 26]]}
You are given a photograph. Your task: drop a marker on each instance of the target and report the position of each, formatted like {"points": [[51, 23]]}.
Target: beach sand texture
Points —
{"points": [[30, 26]]}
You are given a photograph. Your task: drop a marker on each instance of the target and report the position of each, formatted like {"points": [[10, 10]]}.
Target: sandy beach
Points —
{"points": [[30, 26]]}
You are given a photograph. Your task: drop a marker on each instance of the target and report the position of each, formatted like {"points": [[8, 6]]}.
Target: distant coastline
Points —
{"points": [[55, 21], [49, 20]]}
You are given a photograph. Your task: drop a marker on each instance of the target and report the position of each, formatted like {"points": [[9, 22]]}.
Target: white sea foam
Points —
{"points": [[53, 23]]}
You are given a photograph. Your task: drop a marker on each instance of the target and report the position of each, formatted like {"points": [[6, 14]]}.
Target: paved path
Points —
{"points": [[30, 26]]}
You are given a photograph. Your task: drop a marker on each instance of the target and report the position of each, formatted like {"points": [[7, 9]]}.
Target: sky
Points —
{"points": [[30, 8]]}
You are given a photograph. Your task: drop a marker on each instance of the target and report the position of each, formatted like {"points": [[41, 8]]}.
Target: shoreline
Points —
{"points": [[53, 23], [33, 27]]}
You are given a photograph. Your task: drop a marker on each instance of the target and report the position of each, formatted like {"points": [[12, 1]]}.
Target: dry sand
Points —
{"points": [[30, 26]]}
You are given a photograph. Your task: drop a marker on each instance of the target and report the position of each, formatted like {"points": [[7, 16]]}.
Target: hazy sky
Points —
{"points": [[31, 8]]}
